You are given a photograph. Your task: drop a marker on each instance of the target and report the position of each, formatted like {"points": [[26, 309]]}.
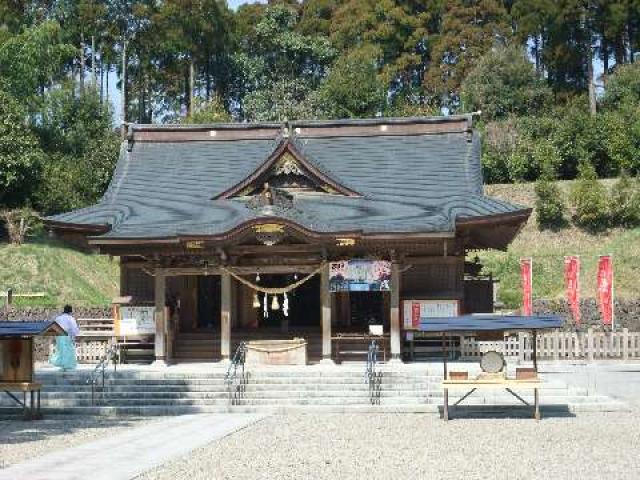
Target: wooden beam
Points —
{"points": [[279, 249], [274, 269]]}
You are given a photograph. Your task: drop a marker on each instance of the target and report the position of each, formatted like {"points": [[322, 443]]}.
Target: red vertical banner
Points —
{"points": [[605, 288], [572, 284], [526, 276]]}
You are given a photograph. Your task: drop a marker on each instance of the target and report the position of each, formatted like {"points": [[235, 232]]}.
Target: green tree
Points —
{"points": [[279, 70], [589, 200], [20, 154], [81, 148], [32, 61], [623, 87], [504, 82], [212, 111], [353, 87], [468, 30]]}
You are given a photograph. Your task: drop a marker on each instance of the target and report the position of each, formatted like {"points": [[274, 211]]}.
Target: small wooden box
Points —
{"points": [[526, 373], [458, 375]]}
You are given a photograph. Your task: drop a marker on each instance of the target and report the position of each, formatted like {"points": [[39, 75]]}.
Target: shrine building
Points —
{"points": [[302, 229]]}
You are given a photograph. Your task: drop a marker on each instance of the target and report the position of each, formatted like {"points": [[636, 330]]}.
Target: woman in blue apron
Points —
{"points": [[65, 352]]}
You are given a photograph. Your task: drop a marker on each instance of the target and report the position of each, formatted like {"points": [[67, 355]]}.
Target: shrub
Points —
{"points": [[589, 200], [550, 207], [625, 202]]}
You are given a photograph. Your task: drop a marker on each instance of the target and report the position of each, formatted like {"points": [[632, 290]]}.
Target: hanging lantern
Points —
{"points": [[274, 303], [258, 277], [256, 301], [295, 277]]}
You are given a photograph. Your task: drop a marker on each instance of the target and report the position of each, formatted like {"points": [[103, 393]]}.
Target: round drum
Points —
{"points": [[492, 362]]}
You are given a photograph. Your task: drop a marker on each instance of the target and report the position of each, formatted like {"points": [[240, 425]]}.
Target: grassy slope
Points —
{"points": [[65, 275], [549, 248]]}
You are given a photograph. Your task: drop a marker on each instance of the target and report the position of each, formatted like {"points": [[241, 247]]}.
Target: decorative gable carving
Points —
{"points": [[289, 175], [287, 170]]}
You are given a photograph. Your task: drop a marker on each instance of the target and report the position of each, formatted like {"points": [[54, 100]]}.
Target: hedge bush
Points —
{"points": [[625, 202], [589, 200]]}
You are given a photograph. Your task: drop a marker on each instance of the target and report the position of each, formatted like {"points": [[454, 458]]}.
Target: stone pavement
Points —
{"points": [[618, 380], [132, 452]]}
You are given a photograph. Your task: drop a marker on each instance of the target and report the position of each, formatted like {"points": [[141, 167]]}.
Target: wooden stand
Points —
{"points": [[506, 384], [31, 409]]}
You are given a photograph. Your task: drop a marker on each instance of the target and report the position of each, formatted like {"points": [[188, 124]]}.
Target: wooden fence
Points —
{"points": [[559, 345]]}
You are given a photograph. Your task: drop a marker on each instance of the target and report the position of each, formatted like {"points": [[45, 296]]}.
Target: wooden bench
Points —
{"points": [[430, 347], [33, 388], [358, 344], [139, 348], [492, 383]]}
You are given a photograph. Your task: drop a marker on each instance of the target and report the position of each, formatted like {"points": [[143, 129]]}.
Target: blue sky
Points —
{"points": [[235, 3]]}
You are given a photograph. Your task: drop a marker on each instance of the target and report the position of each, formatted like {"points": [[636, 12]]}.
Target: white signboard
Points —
{"points": [[137, 321], [414, 310]]}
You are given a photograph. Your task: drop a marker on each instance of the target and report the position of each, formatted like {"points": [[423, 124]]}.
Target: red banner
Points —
{"points": [[572, 284], [605, 288], [526, 276]]}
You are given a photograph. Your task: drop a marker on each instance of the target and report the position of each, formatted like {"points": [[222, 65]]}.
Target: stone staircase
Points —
{"points": [[180, 389]]}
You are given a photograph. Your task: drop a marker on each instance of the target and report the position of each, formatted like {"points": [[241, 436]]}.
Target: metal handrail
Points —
{"points": [[237, 382], [99, 370], [373, 377]]}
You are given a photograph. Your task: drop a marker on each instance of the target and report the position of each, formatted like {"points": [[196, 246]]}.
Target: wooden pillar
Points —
{"points": [[225, 315], [160, 287], [395, 311], [325, 314]]}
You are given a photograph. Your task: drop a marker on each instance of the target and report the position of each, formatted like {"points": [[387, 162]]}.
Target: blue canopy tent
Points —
{"points": [[484, 323], [474, 323], [487, 323]]}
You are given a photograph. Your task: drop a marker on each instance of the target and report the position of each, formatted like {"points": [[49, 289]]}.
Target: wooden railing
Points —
{"points": [[559, 345]]}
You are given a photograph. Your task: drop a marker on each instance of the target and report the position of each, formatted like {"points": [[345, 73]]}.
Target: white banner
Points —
{"points": [[137, 321], [414, 310]]}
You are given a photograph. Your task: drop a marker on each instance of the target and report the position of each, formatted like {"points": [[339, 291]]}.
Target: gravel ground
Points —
{"points": [[21, 440], [309, 446]]}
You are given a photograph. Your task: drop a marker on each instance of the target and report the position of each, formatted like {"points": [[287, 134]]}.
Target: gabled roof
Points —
{"points": [[286, 147], [408, 175], [17, 329]]}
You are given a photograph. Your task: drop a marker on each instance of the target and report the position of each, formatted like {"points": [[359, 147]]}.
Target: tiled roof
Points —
{"points": [[407, 182], [29, 329]]}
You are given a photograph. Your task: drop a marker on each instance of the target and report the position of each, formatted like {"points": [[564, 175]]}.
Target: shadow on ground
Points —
{"points": [[506, 411], [15, 430]]}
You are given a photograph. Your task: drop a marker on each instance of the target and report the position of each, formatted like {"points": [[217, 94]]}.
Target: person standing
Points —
{"points": [[65, 353]]}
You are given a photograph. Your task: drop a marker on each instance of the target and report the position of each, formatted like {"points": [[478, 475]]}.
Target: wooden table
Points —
{"points": [[362, 340], [499, 383], [34, 394]]}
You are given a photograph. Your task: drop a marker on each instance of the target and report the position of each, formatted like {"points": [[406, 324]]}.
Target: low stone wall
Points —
{"points": [[627, 313], [33, 314]]}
